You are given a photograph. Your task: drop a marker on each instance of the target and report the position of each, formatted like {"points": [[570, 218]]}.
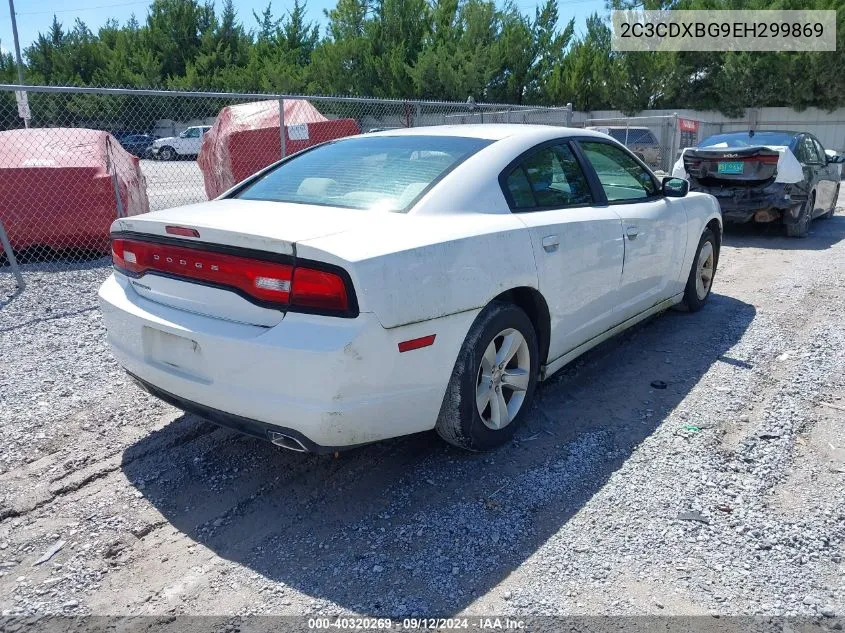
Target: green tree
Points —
{"points": [[584, 75], [434, 49], [455, 61]]}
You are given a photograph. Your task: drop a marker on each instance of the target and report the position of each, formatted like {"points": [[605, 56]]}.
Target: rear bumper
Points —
{"points": [[247, 426], [773, 202], [328, 382]]}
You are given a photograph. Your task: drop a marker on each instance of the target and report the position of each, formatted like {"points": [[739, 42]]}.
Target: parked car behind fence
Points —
{"points": [[640, 140], [186, 144], [61, 188], [139, 145]]}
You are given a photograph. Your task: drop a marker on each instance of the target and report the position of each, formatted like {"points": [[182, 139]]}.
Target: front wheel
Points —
{"points": [[167, 153], [700, 279], [493, 380]]}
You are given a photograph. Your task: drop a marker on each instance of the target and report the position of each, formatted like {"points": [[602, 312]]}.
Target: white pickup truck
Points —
{"points": [[188, 143]]}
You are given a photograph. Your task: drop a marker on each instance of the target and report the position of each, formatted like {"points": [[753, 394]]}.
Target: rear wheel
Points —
{"points": [[700, 279], [493, 381], [801, 227]]}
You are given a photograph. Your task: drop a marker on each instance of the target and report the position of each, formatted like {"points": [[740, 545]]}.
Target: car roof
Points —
{"points": [[489, 131]]}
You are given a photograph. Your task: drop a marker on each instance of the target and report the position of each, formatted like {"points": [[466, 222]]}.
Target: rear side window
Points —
{"points": [[520, 189], [379, 173], [549, 178], [621, 177]]}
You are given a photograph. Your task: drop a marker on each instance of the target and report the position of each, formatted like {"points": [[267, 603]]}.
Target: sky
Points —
{"points": [[35, 16]]}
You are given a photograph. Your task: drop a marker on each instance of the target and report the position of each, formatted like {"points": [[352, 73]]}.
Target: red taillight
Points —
{"points": [[766, 159], [272, 282], [319, 289]]}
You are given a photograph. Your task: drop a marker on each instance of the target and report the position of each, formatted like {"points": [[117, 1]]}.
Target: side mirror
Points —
{"points": [[675, 187]]}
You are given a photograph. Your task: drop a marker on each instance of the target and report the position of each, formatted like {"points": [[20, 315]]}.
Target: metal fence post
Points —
{"points": [[10, 255], [676, 142], [282, 133], [113, 171], [567, 114]]}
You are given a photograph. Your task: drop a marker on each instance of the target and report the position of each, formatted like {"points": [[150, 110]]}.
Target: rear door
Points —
{"points": [[654, 227], [577, 245], [828, 176]]}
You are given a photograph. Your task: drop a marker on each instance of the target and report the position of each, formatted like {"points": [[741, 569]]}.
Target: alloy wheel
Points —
{"points": [[503, 378], [704, 279]]}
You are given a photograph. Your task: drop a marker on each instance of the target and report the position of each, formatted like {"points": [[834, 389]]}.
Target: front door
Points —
{"points": [[577, 246], [654, 228]]}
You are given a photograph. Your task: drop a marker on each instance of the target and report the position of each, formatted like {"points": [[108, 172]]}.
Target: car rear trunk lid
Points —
{"points": [[263, 225], [732, 167], [193, 236]]}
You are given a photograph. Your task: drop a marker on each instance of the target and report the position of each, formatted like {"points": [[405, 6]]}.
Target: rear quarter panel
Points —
{"points": [[428, 267]]}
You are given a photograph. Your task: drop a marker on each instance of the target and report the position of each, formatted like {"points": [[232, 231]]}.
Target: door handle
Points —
{"points": [[632, 232], [550, 243]]}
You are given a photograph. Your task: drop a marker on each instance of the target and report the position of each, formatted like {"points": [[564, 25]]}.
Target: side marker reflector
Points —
{"points": [[416, 343]]}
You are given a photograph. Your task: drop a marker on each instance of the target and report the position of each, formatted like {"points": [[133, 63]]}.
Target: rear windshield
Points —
{"points": [[384, 173], [633, 136], [746, 139]]}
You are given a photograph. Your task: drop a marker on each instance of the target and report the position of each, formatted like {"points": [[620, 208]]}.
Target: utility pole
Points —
{"points": [[19, 63]]}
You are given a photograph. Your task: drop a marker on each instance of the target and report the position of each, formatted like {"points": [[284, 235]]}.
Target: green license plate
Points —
{"points": [[731, 167]]}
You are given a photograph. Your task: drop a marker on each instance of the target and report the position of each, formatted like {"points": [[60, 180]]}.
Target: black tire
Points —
{"points": [[829, 213], [167, 153], [460, 422], [801, 227], [692, 300]]}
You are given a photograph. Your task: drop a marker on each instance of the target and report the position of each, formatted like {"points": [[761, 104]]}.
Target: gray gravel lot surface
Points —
{"points": [[720, 494], [173, 183]]}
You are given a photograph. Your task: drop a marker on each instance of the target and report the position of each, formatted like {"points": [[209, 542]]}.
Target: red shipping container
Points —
{"points": [[57, 187], [245, 138]]}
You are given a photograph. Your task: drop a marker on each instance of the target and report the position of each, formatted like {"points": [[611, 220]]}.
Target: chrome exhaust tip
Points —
{"points": [[286, 441]]}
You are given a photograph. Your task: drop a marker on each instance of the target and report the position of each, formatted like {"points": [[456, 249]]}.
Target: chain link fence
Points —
{"points": [[73, 159], [654, 139]]}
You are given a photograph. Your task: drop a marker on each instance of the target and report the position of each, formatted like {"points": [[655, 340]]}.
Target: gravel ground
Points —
{"points": [[720, 494], [173, 183]]}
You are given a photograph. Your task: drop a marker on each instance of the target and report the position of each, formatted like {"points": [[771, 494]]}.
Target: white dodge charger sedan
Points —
{"points": [[402, 281]]}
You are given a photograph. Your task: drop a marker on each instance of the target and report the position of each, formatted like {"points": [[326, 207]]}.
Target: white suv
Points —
{"points": [[188, 143]]}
